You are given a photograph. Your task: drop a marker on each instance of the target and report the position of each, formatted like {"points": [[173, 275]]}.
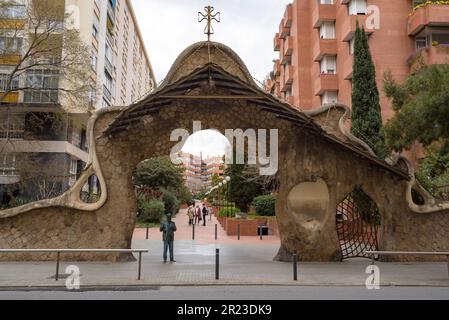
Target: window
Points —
{"points": [[440, 38], [108, 53], [420, 42], [327, 30], [357, 7], [327, 1], [329, 97], [45, 84], [4, 79], [13, 11], [329, 65], [351, 46], [10, 45]]}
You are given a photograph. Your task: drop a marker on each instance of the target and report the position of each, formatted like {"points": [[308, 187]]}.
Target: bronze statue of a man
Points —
{"points": [[168, 229]]}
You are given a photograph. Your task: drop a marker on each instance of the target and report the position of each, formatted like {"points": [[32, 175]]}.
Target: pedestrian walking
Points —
{"points": [[204, 214], [197, 215], [168, 229], [190, 214]]}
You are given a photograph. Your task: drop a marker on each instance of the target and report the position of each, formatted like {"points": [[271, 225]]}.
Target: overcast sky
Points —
{"points": [[247, 26]]}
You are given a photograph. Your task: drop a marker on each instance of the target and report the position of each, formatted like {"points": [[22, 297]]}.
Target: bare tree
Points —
{"points": [[47, 62]]}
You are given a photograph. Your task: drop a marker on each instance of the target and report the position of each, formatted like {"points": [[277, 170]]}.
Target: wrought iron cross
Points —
{"points": [[209, 16]]}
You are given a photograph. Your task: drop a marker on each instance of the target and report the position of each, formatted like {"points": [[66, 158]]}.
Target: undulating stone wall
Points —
{"points": [[305, 156]]}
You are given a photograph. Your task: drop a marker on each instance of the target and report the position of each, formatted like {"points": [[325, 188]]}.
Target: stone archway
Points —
{"points": [[209, 83]]}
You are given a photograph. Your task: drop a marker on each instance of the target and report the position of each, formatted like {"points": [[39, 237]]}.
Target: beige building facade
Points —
{"points": [[121, 74]]}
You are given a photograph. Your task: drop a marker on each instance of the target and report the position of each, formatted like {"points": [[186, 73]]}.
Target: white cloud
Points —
{"points": [[248, 27]]}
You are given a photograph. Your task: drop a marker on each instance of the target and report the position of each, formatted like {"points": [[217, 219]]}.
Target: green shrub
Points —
{"points": [[151, 211], [265, 205], [228, 212], [171, 202]]}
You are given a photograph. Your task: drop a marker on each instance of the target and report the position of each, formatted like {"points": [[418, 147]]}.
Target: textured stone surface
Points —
{"points": [[305, 157]]}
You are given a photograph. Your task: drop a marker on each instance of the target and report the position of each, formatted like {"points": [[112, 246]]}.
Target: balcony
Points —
{"points": [[432, 55], [322, 13], [288, 46], [11, 97], [288, 16], [9, 176], [285, 59], [348, 67], [430, 15], [283, 31], [10, 59], [276, 42], [349, 26], [326, 82], [289, 74], [324, 47], [12, 24]]}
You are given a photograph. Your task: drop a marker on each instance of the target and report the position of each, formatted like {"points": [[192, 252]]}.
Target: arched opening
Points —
{"points": [[358, 225], [91, 190], [159, 190]]}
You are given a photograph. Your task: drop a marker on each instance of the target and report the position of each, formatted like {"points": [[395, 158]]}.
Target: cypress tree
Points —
{"points": [[366, 112]]}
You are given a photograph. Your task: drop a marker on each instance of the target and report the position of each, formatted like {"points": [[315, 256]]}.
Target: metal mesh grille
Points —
{"points": [[358, 222]]}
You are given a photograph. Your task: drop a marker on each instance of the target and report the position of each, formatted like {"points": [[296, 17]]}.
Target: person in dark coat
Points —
{"points": [[204, 215], [168, 229]]}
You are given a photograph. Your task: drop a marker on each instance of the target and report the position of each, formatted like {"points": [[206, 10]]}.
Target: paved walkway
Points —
{"points": [[245, 262], [203, 235]]}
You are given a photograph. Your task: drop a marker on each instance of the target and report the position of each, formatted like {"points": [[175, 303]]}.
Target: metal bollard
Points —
{"points": [[217, 264], [147, 233], [238, 232], [139, 271], [193, 232], [447, 265], [216, 232], [260, 232], [295, 266], [58, 255]]}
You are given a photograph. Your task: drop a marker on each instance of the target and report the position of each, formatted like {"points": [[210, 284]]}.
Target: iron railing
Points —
{"points": [[59, 251]]}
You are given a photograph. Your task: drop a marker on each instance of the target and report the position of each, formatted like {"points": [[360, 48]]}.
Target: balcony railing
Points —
{"points": [[9, 175], [324, 47], [326, 82], [322, 13], [12, 134]]}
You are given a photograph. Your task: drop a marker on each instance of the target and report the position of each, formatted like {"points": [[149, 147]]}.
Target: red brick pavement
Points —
{"points": [[203, 235]]}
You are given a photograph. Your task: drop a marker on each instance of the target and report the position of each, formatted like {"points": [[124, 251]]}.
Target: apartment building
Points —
{"points": [[198, 172], [121, 74], [315, 42], [119, 59]]}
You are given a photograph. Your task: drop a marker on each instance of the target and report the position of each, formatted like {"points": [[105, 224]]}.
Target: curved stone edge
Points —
{"points": [[71, 198], [198, 46], [341, 124], [431, 205]]}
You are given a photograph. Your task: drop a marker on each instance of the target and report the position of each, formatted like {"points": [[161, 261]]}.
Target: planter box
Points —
{"points": [[247, 227]]}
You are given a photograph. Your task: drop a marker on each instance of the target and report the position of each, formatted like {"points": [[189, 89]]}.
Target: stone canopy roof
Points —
{"points": [[210, 70]]}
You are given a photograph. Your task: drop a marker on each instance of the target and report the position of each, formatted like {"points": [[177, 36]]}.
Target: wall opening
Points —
{"points": [[358, 225]]}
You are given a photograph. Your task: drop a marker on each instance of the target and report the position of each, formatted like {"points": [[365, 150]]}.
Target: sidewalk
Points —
{"points": [[248, 262]]}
